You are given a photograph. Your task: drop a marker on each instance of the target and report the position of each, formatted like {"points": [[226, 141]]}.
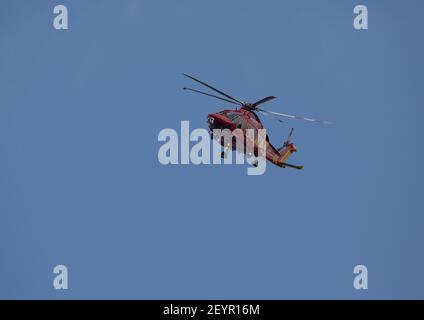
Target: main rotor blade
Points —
{"points": [[214, 89], [257, 103], [270, 115], [294, 117], [211, 95]]}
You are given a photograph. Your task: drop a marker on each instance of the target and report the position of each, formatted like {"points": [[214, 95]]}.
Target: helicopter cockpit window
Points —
{"points": [[232, 115]]}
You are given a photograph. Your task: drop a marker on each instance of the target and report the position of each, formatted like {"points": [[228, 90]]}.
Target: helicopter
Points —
{"points": [[244, 117]]}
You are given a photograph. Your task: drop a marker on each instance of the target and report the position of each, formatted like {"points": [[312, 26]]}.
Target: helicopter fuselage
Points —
{"points": [[238, 121]]}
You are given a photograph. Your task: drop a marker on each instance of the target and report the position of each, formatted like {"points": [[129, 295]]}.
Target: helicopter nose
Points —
{"points": [[211, 120]]}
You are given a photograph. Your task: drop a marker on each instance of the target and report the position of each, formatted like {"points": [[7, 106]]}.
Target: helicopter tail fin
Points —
{"points": [[286, 151]]}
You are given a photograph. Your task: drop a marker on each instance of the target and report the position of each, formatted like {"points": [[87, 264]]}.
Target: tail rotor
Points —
{"points": [[286, 143]]}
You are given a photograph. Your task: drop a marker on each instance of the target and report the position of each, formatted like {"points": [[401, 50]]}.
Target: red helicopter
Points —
{"points": [[245, 118]]}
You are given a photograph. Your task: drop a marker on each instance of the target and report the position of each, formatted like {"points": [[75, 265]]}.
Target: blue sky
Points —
{"points": [[80, 183]]}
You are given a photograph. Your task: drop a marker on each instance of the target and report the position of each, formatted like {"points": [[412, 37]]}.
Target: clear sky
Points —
{"points": [[81, 185]]}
